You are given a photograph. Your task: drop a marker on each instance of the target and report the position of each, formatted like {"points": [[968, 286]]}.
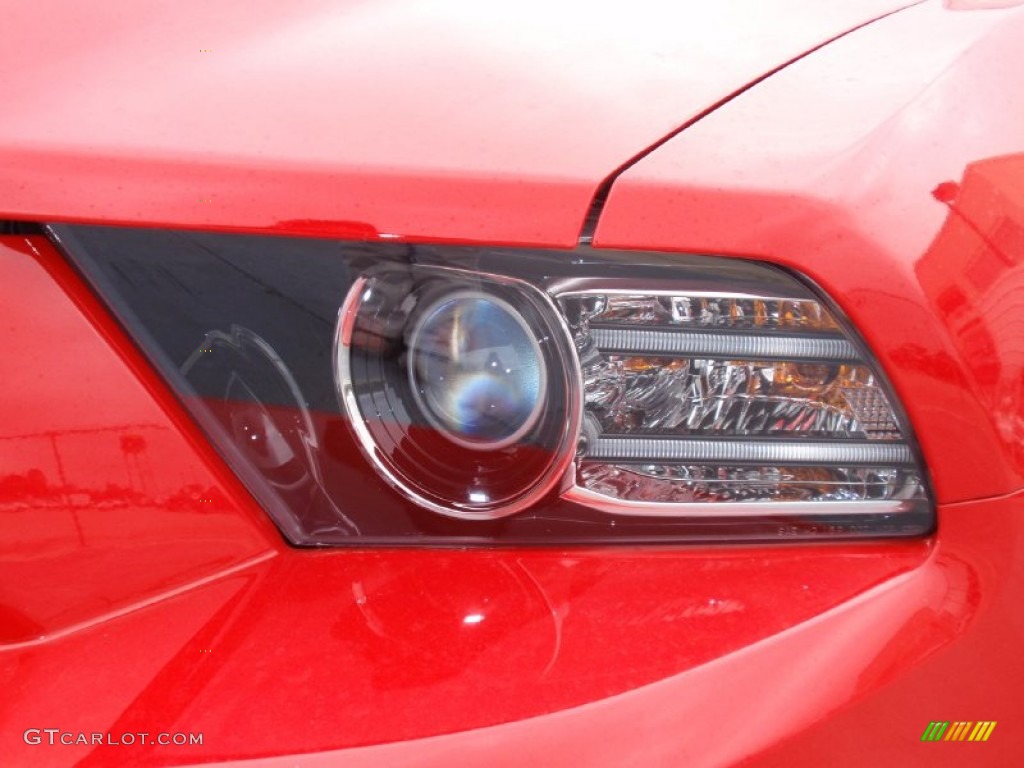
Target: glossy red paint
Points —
{"points": [[762, 656], [854, 686], [346, 649], [450, 120], [105, 504], [886, 171]]}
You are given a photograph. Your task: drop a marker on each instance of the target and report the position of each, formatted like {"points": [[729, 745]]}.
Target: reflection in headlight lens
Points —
{"points": [[476, 371]]}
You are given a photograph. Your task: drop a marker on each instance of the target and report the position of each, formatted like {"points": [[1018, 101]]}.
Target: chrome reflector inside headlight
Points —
{"points": [[723, 397], [395, 394]]}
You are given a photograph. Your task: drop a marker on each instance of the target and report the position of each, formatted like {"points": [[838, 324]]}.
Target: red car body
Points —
{"points": [[876, 146]]}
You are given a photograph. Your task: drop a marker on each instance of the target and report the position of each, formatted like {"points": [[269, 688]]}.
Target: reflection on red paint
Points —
{"points": [[103, 501], [973, 273], [347, 648]]}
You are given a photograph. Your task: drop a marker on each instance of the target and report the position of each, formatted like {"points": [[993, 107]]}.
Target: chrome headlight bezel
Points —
{"points": [[419, 290]]}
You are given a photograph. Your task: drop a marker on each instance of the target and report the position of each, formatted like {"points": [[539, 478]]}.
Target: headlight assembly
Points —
{"points": [[384, 393]]}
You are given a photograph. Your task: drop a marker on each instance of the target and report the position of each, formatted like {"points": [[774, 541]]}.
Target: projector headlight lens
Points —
{"points": [[477, 371]]}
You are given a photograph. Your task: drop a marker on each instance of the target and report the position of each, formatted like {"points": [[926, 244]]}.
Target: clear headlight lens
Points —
{"points": [[371, 393]]}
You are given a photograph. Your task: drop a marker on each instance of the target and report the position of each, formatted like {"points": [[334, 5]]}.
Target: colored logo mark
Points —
{"points": [[959, 730]]}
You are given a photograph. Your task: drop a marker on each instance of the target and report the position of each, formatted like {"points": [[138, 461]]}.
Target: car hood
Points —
{"points": [[445, 120]]}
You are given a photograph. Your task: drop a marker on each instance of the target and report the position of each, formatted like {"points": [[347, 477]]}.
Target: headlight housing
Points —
{"points": [[387, 393]]}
